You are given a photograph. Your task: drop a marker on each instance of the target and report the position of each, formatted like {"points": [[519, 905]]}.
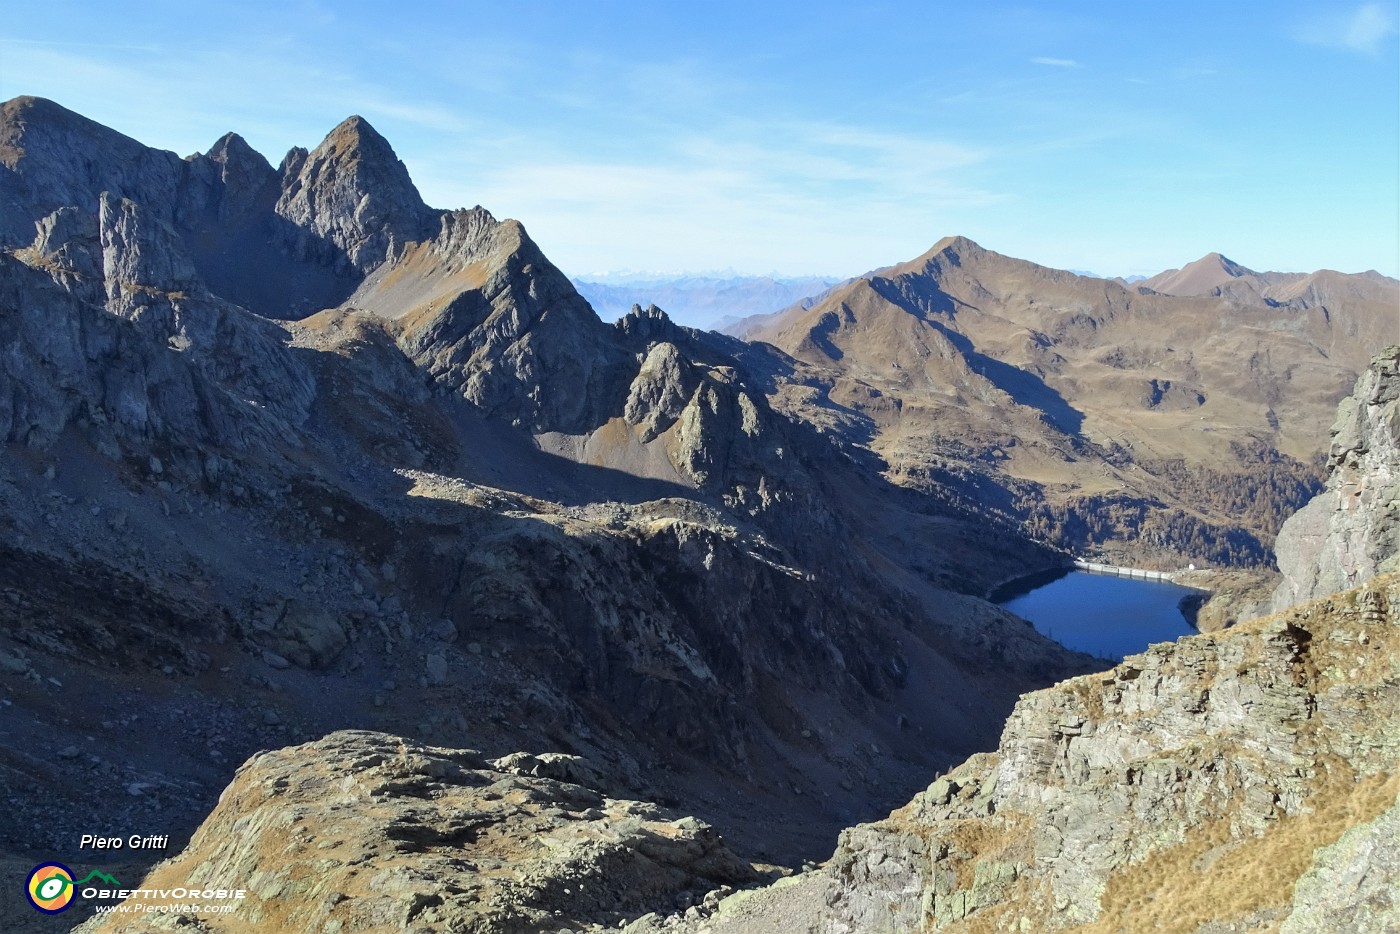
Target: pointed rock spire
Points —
{"points": [[355, 198]]}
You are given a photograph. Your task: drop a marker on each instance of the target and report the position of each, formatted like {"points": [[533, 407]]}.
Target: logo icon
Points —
{"points": [[50, 887]]}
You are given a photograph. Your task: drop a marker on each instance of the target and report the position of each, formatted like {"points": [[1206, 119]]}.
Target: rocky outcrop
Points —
{"points": [[142, 258], [1186, 790], [185, 366], [362, 832], [659, 393], [1351, 531], [179, 372], [481, 310], [68, 245]]}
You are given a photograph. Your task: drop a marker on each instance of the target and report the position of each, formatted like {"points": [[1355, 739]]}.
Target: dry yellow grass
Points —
{"points": [[1215, 877]]}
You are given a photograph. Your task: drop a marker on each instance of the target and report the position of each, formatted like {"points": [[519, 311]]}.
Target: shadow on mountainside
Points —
{"points": [[921, 297], [1024, 387]]}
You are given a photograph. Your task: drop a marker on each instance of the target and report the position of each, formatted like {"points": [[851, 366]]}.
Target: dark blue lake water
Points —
{"points": [[1105, 616]]}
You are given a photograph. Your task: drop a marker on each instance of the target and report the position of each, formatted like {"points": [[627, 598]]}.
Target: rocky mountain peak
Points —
{"points": [[961, 256], [1215, 263], [232, 149], [1231, 267], [354, 140], [1207, 274], [31, 128], [24, 118], [949, 252], [352, 199], [355, 132], [228, 186], [955, 245], [53, 158], [293, 161]]}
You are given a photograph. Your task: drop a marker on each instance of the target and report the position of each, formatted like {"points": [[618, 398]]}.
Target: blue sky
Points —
{"points": [[818, 137]]}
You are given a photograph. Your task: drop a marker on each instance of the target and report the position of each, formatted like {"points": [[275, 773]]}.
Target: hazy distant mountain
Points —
{"points": [[1094, 275], [1217, 275], [706, 302]]}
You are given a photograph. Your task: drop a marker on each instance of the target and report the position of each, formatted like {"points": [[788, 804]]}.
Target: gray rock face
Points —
{"points": [[286, 243], [1351, 531], [66, 243], [141, 256], [238, 180], [47, 163], [170, 366], [659, 393], [484, 312], [351, 200]]}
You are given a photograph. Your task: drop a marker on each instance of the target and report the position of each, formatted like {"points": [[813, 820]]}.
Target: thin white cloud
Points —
{"points": [[1365, 29], [82, 45], [1371, 25], [792, 195], [433, 117], [1055, 62]]}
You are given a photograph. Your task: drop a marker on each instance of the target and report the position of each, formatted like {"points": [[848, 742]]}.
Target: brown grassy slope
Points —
{"points": [[1076, 392]]}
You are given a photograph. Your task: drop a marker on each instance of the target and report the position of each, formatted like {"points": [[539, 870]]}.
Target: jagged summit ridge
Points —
{"points": [[284, 242], [354, 193]]}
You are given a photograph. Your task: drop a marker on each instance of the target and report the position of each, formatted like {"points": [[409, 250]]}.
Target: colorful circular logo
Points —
{"points": [[50, 887]]}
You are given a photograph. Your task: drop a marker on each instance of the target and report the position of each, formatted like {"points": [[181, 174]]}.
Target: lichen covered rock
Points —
{"points": [[1351, 531]]}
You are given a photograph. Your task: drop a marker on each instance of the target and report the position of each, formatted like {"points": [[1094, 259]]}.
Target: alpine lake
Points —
{"points": [[1106, 616]]}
